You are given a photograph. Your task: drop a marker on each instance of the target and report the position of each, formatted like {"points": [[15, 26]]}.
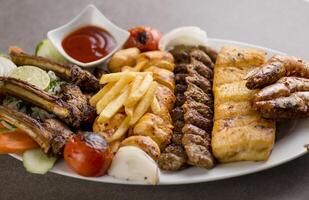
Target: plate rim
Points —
{"points": [[196, 180]]}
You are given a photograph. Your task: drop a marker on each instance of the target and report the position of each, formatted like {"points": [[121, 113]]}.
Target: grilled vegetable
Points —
{"points": [[144, 38], [88, 154]]}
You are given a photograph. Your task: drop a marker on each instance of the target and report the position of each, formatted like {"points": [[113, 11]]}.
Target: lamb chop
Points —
{"points": [[70, 73], [71, 107], [50, 134]]}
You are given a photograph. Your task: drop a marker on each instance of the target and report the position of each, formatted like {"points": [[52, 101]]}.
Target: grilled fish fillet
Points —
{"points": [[239, 132]]}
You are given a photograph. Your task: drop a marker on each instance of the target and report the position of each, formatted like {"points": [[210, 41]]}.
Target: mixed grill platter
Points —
{"points": [[103, 104]]}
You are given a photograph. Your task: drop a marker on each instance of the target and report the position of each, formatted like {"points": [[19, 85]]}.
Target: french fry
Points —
{"points": [[145, 103], [129, 110], [139, 66], [94, 99], [114, 146], [113, 92], [127, 69], [113, 107], [122, 129], [139, 92], [134, 87], [113, 77], [155, 106]]}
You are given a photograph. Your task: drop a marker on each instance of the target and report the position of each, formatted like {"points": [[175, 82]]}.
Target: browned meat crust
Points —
{"points": [[71, 73], [277, 67], [51, 134], [282, 95], [283, 88], [295, 105], [73, 95], [73, 109], [193, 112]]}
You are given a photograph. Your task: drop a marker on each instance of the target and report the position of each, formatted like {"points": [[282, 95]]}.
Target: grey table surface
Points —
{"points": [[278, 24]]}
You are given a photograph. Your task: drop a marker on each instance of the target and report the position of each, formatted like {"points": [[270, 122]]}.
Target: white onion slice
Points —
{"points": [[6, 66], [133, 164], [188, 35]]}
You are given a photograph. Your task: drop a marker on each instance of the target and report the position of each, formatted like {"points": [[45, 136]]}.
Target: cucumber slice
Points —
{"points": [[36, 161], [47, 50]]}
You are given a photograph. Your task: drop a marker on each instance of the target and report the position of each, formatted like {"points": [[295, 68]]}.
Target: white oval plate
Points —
{"points": [[290, 145]]}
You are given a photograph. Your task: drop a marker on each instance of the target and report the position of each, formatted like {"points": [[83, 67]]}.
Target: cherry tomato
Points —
{"points": [[16, 142], [88, 154], [144, 38]]}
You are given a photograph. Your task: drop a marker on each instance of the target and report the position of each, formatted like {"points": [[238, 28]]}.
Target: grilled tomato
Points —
{"points": [[144, 38], [88, 154]]}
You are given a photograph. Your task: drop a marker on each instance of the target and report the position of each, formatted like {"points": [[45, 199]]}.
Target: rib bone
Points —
{"points": [[70, 73], [51, 135], [30, 93]]}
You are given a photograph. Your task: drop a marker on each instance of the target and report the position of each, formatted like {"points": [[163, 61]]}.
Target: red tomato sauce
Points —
{"points": [[88, 43]]}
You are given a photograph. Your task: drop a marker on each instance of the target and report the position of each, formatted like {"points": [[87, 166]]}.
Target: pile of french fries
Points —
{"points": [[132, 91]]}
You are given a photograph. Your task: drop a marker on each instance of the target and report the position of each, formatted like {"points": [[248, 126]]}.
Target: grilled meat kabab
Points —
{"points": [[284, 88], [239, 132], [70, 73], [286, 98], [50, 134], [275, 68], [192, 114], [71, 106]]}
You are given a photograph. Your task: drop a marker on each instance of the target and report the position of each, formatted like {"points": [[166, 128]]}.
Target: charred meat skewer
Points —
{"points": [[277, 67], [192, 115], [50, 134], [295, 105], [70, 73], [282, 88]]}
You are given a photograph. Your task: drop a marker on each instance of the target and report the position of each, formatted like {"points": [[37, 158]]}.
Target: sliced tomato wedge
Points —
{"points": [[16, 141]]}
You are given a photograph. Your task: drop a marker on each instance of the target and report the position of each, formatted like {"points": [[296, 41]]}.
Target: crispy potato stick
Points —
{"points": [[112, 108], [113, 92], [113, 77], [95, 98], [122, 129], [155, 106], [145, 103], [115, 145], [139, 92], [134, 87], [129, 110], [139, 66], [127, 69]]}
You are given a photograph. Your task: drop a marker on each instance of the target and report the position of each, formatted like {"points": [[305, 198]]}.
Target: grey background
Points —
{"points": [[278, 24]]}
